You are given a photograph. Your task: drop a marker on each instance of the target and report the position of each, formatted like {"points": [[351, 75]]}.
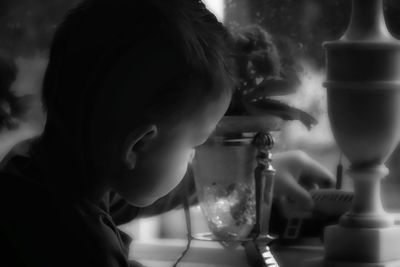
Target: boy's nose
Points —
{"points": [[191, 155]]}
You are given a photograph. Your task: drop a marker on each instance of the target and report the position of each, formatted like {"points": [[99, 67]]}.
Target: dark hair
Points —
{"points": [[98, 33], [173, 48]]}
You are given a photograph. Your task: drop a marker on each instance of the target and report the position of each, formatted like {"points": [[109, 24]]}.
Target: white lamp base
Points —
{"points": [[373, 245], [324, 263]]}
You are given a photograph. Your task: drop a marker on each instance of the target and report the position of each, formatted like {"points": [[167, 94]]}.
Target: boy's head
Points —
{"points": [[132, 87]]}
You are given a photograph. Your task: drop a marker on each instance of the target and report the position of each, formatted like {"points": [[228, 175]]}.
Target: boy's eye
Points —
{"points": [[200, 142], [203, 136]]}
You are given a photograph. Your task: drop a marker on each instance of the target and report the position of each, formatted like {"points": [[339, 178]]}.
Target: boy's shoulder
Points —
{"points": [[41, 228]]}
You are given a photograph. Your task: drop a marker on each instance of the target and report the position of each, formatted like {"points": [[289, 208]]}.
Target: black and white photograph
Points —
{"points": [[200, 133]]}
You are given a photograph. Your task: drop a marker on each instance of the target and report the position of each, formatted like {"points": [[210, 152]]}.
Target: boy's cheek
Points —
{"points": [[155, 175], [145, 185], [137, 191], [167, 178]]}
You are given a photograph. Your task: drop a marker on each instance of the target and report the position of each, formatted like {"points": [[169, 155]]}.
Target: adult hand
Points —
{"points": [[296, 174]]}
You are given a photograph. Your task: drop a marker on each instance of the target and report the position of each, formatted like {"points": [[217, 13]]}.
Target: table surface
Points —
{"points": [[164, 252]]}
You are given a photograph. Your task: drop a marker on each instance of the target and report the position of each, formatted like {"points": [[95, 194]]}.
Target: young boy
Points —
{"points": [[132, 87]]}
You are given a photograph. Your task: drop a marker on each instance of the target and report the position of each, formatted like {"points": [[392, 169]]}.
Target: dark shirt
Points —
{"points": [[42, 228]]}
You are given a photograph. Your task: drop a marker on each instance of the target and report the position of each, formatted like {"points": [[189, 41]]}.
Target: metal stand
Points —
{"points": [[257, 250]]}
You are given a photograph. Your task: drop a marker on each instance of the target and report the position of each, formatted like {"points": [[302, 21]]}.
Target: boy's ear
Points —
{"points": [[137, 140]]}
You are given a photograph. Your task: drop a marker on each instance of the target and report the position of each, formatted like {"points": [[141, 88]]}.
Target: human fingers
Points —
{"points": [[315, 175], [286, 184]]}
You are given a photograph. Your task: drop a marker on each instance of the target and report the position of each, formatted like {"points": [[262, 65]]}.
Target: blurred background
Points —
{"points": [[298, 28]]}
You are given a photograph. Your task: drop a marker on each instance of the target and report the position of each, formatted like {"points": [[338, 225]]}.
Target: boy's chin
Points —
{"points": [[141, 203]]}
